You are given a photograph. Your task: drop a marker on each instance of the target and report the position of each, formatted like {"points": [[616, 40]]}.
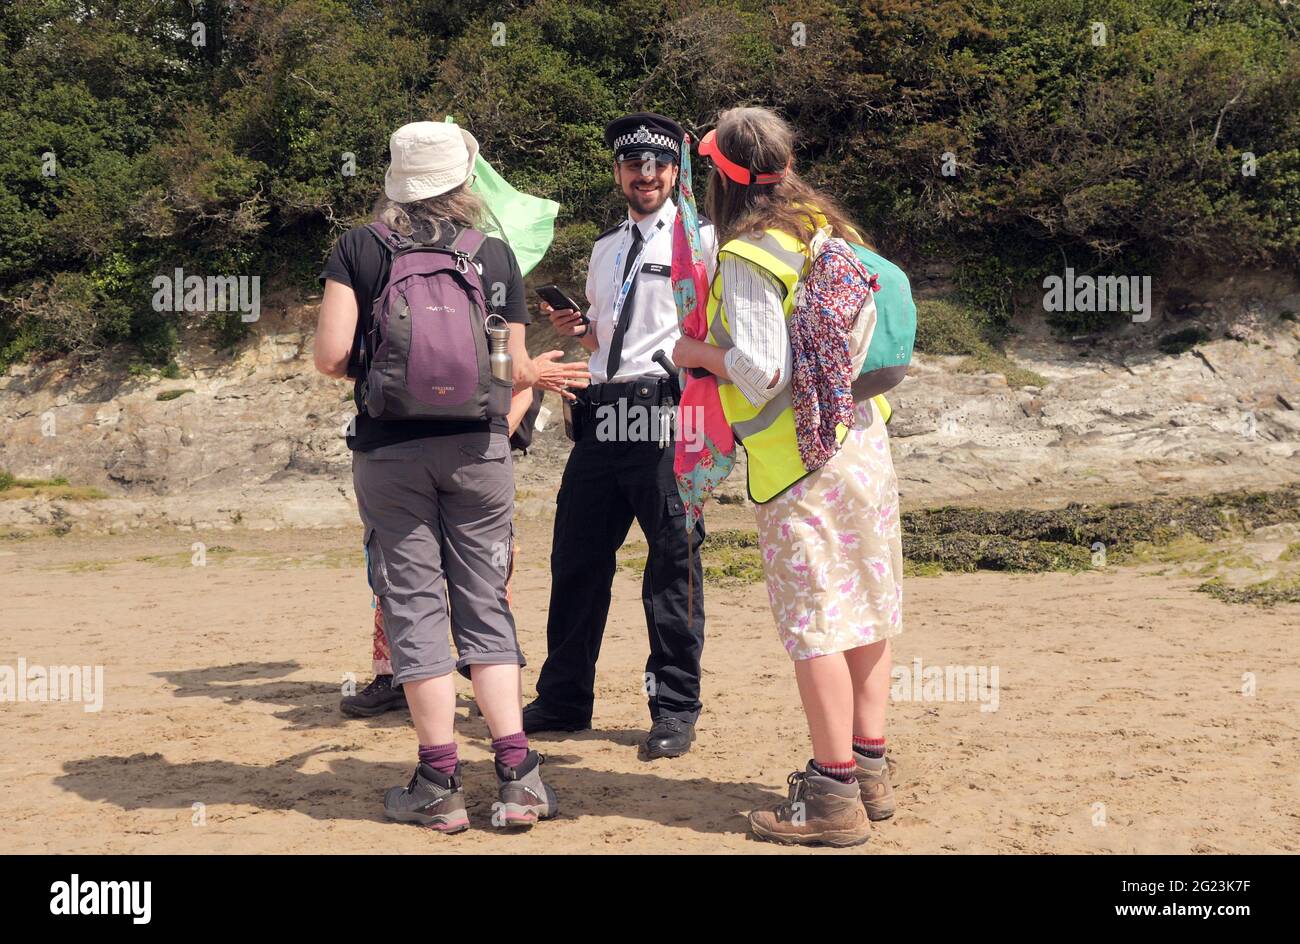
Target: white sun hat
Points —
{"points": [[428, 158]]}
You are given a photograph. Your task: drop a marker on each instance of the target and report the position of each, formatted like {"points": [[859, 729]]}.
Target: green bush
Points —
{"points": [[950, 326], [990, 133], [954, 327]]}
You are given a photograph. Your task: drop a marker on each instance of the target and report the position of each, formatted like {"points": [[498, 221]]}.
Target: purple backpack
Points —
{"points": [[426, 354]]}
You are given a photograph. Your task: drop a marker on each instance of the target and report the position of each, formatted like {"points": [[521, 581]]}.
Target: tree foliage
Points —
{"points": [[996, 134]]}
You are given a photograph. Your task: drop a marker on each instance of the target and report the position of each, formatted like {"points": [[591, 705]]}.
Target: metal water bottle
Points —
{"points": [[501, 363]]}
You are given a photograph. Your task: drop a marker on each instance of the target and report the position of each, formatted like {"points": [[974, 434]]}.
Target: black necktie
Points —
{"points": [[625, 316]]}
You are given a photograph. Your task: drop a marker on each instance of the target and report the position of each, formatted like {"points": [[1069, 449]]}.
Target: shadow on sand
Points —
{"points": [[352, 789]]}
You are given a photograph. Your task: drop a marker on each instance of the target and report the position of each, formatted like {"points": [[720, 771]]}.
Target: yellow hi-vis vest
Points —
{"points": [[767, 432]]}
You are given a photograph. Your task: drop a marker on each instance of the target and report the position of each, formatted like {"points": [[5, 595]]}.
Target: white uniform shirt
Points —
{"points": [[654, 325]]}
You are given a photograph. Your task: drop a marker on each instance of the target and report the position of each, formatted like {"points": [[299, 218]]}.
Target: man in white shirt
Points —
{"points": [[621, 466]]}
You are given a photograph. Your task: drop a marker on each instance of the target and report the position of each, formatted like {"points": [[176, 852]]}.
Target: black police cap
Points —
{"points": [[633, 136]]}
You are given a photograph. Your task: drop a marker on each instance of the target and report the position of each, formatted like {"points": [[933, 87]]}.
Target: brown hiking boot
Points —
{"points": [[877, 792], [820, 811]]}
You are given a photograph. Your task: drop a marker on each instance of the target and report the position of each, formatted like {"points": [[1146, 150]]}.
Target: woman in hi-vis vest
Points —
{"points": [[830, 539]]}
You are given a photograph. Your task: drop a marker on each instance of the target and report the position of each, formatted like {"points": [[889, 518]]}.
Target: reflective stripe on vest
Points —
{"points": [[767, 432]]}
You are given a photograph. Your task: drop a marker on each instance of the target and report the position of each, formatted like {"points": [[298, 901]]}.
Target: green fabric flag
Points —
{"points": [[526, 222]]}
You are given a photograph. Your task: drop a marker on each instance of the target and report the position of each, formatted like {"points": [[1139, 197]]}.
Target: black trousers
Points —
{"points": [[605, 486]]}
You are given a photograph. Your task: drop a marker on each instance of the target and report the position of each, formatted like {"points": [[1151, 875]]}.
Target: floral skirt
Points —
{"points": [[832, 548]]}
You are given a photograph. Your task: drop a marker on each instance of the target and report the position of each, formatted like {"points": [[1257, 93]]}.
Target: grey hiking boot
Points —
{"points": [[522, 797], [873, 781], [375, 699], [820, 811], [431, 799]]}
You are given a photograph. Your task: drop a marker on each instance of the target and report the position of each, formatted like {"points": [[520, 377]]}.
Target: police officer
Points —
{"points": [[621, 466]]}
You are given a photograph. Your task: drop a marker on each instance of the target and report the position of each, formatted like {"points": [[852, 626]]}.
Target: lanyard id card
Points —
{"points": [[626, 287]]}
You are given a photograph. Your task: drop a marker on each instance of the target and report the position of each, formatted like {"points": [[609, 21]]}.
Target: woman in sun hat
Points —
{"points": [[437, 495]]}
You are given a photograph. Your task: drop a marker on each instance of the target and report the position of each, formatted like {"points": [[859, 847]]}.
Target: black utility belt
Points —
{"points": [[636, 411], [648, 390]]}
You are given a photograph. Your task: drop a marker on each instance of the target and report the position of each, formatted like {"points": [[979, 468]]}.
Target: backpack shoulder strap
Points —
{"points": [[391, 241], [468, 241]]}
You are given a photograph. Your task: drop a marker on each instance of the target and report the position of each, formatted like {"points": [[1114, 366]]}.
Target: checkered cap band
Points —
{"points": [[643, 136]]}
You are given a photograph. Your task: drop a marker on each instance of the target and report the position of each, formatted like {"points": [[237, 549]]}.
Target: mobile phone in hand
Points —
{"points": [[557, 299]]}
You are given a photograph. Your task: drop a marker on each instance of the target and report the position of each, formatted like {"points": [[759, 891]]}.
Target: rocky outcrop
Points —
{"points": [[1221, 416], [255, 439]]}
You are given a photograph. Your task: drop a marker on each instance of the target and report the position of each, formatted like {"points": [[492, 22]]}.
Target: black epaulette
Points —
{"points": [[609, 232]]}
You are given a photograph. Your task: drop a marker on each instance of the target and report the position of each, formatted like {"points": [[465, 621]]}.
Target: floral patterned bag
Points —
{"points": [[830, 297]]}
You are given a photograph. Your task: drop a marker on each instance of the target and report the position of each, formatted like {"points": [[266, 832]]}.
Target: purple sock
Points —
{"points": [[441, 757], [511, 749]]}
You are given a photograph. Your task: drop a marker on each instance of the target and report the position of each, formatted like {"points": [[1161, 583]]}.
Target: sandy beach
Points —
{"points": [[1124, 721]]}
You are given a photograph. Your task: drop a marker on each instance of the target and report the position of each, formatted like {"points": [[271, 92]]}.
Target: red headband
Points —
{"points": [[733, 171]]}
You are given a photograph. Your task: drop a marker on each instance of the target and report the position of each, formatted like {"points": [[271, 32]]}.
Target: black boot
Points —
{"points": [[375, 699], [539, 718], [670, 737]]}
